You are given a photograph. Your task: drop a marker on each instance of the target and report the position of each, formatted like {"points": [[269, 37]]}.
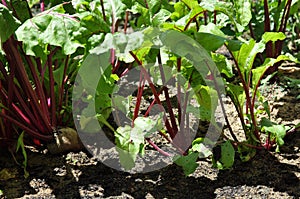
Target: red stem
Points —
{"points": [[62, 87], [179, 91], [222, 104], [248, 98], [126, 21], [42, 4], [170, 110], [52, 91], [139, 97], [103, 11], [215, 17], [267, 28], [205, 17], [39, 88], [192, 19], [4, 3], [15, 58], [27, 129], [157, 148], [146, 76], [246, 144]]}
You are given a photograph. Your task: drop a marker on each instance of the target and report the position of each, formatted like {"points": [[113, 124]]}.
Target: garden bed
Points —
{"points": [[77, 175]]}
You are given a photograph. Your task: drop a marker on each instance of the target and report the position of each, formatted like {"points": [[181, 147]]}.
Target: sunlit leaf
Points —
{"points": [[52, 28], [188, 163], [226, 159]]}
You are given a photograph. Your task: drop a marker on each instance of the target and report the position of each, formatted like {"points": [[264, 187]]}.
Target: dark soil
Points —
{"points": [[76, 175]]}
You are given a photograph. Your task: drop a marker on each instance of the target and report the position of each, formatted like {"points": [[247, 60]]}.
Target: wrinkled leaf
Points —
{"points": [[122, 43], [51, 28], [243, 10], [160, 17], [115, 7]]}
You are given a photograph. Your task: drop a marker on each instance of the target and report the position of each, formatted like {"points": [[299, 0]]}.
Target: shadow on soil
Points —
{"points": [[54, 174]]}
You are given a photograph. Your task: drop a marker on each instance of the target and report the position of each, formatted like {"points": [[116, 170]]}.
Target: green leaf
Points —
{"points": [[188, 163], [234, 45], [243, 11], [199, 145], [130, 142], [115, 7], [51, 28], [123, 137], [187, 47], [224, 66], [227, 156], [208, 5], [122, 43], [208, 100], [148, 125], [245, 152], [20, 144], [205, 40], [92, 23], [8, 24], [160, 17], [267, 108], [22, 10], [89, 124], [121, 103], [211, 28], [180, 11], [273, 36], [259, 71], [127, 159], [154, 6], [246, 56], [237, 94], [277, 131], [191, 3], [105, 46], [59, 75], [230, 10]]}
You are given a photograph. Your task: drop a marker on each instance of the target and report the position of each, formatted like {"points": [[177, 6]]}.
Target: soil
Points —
{"points": [[78, 175]]}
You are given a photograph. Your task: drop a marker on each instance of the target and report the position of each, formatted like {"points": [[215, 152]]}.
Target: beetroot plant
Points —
{"points": [[40, 57]]}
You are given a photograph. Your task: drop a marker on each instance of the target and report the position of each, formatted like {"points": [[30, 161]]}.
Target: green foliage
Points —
{"points": [[130, 141], [188, 162], [50, 29], [227, 154], [8, 24], [20, 145], [48, 50], [277, 131]]}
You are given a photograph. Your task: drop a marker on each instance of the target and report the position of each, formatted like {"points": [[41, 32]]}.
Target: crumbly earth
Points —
{"points": [[77, 175]]}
